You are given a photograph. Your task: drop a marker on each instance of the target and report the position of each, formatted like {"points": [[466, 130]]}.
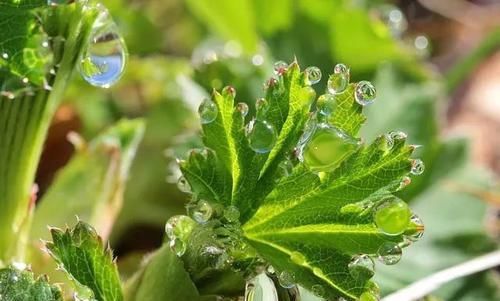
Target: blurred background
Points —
{"points": [[436, 66]]}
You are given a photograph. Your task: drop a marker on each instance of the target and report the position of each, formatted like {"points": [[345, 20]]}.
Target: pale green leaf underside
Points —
{"points": [[16, 285], [80, 253]]}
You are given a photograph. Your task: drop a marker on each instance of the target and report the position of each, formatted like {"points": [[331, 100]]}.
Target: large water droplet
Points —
{"points": [[394, 18], [202, 212], [103, 61], [392, 216], [179, 226], [417, 167], [261, 136], [365, 93], [339, 80], [313, 75], [208, 111], [389, 253], [418, 226], [280, 67], [327, 147], [286, 279], [362, 267]]}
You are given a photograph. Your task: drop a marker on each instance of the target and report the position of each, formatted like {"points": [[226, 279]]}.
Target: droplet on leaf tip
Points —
{"points": [[280, 67], [365, 93], [392, 216], [208, 111], [261, 136], [339, 80], [417, 167], [362, 267], [389, 253], [312, 75]]}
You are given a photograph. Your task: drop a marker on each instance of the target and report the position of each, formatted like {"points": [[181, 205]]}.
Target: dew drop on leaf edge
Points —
{"points": [[417, 167], [339, 80], [261, 136], [362, 267], [392, 216], [365, 93], [286, 279], [202, 212], [389, 253], [208, 111], [313, 75]]}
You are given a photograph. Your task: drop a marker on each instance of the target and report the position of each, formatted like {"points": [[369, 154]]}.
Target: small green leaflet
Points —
{"points": [[20, 285], [308, 224], [80, 253]]}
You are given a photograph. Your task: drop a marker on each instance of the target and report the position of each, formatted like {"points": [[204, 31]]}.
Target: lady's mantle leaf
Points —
{"points": [[80, 253]]}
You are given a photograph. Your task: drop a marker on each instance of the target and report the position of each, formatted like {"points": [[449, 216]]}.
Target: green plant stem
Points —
{"points": [[24, 124], [462, 70]]}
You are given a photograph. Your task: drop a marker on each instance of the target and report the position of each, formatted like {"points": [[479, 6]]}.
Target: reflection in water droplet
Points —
{"points": [[179, 226], [286, 279], [103, 61], [242, 108], [392, 216], [326, 104], [338, 81], [313, 75], [178, 246], [327, 147], [389, 253], [183, 185], [208, 111], [417, 167], [418, 225], [394, 18], [365, 93], [202, 212], [280, 67], [397, 135], [261, 136], [362, 267]]}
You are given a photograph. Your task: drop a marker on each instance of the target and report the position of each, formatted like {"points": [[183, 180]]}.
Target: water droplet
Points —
{"points": [[392, 216], [103, 61], [313, 75], [404, 182], [309, 129], [417, 167], [202, 212], [285, 168], [397, 135], [257, 60], [261, 136], [208, 111], [365, 93], [326, 104], [339, 80], [179, 226], [232, 214], [280, 67], [270, 270], [368, 296], [183, 185], [298, 258], [389, 142], [394, 18], [418, 226], [286, 279], [318, 290], [178, 246], [327, 147], [389, 253], [261, 106], [242, 108], [216, 257], [362, 267]]}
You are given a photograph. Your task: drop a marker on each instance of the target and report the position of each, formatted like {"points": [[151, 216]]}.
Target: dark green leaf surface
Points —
{"points": [[80, 253], [17, 285]]}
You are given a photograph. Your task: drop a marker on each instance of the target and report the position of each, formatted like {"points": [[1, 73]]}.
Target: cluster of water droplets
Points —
{"points": [[103, 59]]}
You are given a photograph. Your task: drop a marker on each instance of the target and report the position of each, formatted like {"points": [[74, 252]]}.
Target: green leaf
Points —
{"points": [[91, 185], [80, 253], [162, 277], [20, 285], [308, 224]]}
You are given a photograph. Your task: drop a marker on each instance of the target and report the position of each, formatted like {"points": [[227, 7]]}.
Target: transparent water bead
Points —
{"points": [[179, 226], [417, 167], [394, 18], [261, 136], [389, 253], [280, 67], [286, 279], [202, 212], [365, 93], [183, 185], [397, 135], [242, 108], [362, 267], [261, 107], [339, 80], [208, 111], [392, 216], [103, 61], [327, 147], [418, 225], [326, 104], [177, 246], [313, 75]]}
